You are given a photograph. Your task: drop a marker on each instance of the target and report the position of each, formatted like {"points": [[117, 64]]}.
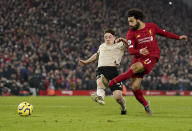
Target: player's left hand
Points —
{"points": [[121, 39], [183, 37]]}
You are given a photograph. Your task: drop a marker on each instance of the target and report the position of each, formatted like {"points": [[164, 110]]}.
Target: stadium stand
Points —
{"points": [[42, 40]]}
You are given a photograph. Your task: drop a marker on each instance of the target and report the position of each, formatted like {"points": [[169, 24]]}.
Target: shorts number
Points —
{"points": [[147, 61]]}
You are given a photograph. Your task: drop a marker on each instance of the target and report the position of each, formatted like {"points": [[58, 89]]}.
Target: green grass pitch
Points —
{"points": [[80, 113]]}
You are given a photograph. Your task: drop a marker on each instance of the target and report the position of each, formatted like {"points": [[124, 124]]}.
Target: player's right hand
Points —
{"points": [[144, 51], [82, 62]]}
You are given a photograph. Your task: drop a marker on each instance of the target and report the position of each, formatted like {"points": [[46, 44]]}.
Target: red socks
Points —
{"points": [[121, 77], [139, 96]]}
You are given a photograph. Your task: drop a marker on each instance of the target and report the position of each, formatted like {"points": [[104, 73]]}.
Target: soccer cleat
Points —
{"points": [[148, 110], [97, 99], [124, 112]]}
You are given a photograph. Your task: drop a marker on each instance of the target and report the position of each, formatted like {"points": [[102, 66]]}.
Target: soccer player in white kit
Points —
{"points": [[109, 56]]}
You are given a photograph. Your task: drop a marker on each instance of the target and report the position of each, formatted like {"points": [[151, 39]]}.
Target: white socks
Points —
{"points": [[101, 92]]}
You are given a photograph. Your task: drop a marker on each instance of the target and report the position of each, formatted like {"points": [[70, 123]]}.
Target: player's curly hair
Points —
{"points": [[136, 13], [109, 31]]}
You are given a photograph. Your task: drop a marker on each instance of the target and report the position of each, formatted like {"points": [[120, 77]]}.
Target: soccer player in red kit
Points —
{"points": [[143, 45]]}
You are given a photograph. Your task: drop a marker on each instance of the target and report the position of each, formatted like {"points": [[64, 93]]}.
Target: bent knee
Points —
{"points": [[135, 87], [137, 67], [117, 95]]}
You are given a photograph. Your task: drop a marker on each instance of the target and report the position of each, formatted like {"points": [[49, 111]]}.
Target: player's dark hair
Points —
{"points": [[136, 13], [109, 31]]}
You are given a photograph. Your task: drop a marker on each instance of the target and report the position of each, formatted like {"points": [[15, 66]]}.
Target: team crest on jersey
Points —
{"points": [[138, 36], [150, 32]]}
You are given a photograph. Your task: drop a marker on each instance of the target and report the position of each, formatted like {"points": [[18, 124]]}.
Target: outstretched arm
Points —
{"points": [[169, 34], [93, 58]]}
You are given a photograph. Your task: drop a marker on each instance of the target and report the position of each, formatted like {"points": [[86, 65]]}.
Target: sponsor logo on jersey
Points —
{"points": [[146, 39]]}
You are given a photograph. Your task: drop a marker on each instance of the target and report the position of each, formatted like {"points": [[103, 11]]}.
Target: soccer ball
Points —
{"points": [[25, 109]]}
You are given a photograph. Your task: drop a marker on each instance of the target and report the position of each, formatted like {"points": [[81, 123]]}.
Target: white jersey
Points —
{"points": [[110, 55]]}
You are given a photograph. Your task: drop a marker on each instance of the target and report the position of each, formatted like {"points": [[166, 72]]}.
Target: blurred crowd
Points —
{"points": [[41, 42]]}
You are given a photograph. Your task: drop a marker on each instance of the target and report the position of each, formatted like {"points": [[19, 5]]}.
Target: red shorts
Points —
{"points": [[148, 64]]}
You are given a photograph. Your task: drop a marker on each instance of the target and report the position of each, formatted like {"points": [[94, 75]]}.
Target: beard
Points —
{"points": [[136, 26]]}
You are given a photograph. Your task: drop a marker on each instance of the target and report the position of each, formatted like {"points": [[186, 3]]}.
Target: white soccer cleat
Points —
{"points": [[97, 99]]}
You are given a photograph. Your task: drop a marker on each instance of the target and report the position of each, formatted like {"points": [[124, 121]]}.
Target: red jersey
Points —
{"points": [[138, 39]]}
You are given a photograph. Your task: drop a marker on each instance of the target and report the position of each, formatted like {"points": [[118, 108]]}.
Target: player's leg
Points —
{"points": [[100, 88], [117, 94], [135, 68], [148, 64], [100, 93], [135, 85]]}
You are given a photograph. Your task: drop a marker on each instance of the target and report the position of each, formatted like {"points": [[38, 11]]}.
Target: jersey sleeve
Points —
{"points": [[131, 44], [165, 33]]}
